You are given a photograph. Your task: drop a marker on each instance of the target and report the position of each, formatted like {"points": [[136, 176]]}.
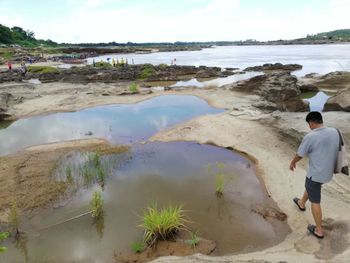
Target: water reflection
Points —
{"points": [[317, 102], [116, 123], [171, 173], [218, 82]]}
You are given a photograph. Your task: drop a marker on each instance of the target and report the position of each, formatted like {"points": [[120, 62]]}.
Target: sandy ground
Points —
{"points": [[245, 129]]}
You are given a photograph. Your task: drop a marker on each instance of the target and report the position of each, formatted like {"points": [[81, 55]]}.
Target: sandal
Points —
{"points": [[296, 201], [312, 230]]}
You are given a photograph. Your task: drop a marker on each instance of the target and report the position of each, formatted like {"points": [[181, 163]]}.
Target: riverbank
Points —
{"points": [[268, 136]]}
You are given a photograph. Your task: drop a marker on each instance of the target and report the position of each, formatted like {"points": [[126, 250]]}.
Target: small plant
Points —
{"points": [[14, 218], [193, 242], [69, 176], [219, 178], [87, 174], [137, 247], [3, 236], [162, 224], [219, 184], [101, 175], [94, 159], [96, 205], [134, 88]]}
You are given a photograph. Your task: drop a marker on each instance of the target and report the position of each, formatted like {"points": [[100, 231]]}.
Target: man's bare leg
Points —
{"points": [[317, 214], [303, 200]]}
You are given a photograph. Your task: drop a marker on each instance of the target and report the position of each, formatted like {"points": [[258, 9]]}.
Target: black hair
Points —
{"points": [[314, 116]]}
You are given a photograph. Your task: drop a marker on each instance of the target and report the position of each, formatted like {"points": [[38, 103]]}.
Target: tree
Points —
{"points": [[5, 35]]}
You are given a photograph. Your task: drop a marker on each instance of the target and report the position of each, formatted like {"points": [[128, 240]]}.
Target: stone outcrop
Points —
{"points": [[279, 91], [332, 82], [339, 102], [109, 74], [275, 67]]}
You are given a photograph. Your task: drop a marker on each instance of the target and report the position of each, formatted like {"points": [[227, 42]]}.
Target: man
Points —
{"points": [[321, 145]]}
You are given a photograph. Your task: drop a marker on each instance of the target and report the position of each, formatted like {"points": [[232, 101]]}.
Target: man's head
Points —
{"points": [[314, 119]]}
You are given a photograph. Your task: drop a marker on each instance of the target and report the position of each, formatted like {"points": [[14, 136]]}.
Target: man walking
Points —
{"points": [[321, 145]]}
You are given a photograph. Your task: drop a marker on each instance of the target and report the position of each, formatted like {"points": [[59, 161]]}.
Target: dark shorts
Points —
{"points": [[313, 190]]}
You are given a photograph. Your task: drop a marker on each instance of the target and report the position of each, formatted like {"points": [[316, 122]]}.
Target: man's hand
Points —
{"points": [[293, 163]]}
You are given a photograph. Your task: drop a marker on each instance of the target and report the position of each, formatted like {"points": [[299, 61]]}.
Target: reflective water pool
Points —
{"points": [[116, 123]]}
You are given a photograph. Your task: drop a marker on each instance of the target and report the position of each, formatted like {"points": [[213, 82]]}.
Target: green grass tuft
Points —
{"points": [[96, 205], [162, 224], [137, 247], [42, 69], [193, 242], [3, 236], [134, 88], [146, 72]]}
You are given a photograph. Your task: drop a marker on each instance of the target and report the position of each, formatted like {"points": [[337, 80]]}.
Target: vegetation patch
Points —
{"points": [[96, 205], [162, 224], [147, 71], [3, 236], [134, 88], [42, 69]]}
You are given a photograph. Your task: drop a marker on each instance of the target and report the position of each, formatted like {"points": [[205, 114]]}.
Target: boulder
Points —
{"points": [[280, 89], [275, 67], [339, 102], [331, 82]]}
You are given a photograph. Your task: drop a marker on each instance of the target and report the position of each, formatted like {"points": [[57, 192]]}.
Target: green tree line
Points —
{"points": [[18, 36]]}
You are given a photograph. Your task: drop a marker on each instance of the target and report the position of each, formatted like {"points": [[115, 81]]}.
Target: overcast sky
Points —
{"points": [[174, 20]]}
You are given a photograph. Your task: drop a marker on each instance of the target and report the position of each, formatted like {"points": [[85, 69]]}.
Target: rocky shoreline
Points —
{"points": [[264, 119]]}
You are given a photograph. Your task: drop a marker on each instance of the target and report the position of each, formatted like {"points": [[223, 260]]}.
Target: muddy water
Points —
{"points": [[169, 173], [116, 123]]}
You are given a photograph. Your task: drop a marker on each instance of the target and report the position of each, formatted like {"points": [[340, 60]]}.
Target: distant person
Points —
{"points": [[23, 68], [126, 61], [9, 65], [175, 61], [321, 145], [93, 63], [132, 61], [113, 63]]}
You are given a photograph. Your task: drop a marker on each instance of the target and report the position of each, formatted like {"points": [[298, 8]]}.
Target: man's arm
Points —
{"points": [[293, 163]]}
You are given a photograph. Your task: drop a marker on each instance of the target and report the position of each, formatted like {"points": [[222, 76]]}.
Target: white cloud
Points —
{"points": [[219, 20]]}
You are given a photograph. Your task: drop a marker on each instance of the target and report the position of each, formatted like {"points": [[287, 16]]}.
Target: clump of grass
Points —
{"points": [[102, 64], [3, 236], [219, 184], [42, 69], [146, 72], [14, 218], [219, 180], [134, 88], [94, 158], [163, 66], [137, 247], [96, 205], [162, 224], [87, 174], [193, 242], [69, 175]]}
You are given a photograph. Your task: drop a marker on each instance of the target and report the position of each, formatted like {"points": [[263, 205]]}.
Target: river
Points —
{"points": [[320, 59]]}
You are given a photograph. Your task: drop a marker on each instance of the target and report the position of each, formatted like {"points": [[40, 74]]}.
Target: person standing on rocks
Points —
{"points": [[9, 65], [321, 146]]}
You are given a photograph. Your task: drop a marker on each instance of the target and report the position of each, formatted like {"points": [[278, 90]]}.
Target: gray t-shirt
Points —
{"points": [[321, 145]]}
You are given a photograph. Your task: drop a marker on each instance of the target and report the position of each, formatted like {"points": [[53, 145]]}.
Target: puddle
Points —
{"points": [[169, 173], [218, 82], [317, 102], [116, 123]]}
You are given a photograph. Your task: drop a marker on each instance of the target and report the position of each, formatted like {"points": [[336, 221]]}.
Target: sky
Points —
{"points": [[77, 21]]}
